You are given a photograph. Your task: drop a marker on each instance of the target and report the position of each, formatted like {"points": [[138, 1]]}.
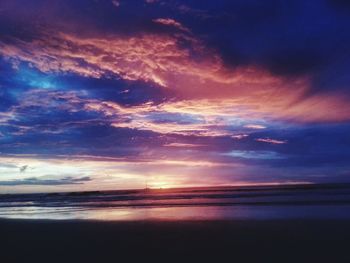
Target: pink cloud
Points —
{"points": [[171, 22], [239, 136], [254, 126], [205, 84], [183, 145], [268, 140]]}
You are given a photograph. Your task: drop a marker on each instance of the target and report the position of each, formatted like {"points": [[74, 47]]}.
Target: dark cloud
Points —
{"points": [[290, 38], [5, 165], [23, 168], [38, 181]]}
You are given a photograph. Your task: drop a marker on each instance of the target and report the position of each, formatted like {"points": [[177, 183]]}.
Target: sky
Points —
{"points": [[120, 94]]}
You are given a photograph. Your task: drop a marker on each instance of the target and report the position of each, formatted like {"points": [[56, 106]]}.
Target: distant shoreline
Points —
{"points": [[252, 187]]}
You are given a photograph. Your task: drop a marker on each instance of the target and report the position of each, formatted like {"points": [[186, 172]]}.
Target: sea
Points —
{"points": [[311, 201]]}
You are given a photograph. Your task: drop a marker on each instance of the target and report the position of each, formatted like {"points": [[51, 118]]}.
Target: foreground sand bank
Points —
{"points": [[229, 241]]}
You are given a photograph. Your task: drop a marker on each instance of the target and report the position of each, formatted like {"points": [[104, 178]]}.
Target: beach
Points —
{"points": [[148, 241], [256, 224]]}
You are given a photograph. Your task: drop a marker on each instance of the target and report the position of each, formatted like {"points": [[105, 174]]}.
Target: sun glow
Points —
{"points": [[155, 184]]}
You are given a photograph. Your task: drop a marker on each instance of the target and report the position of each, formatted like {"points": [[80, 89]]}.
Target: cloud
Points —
{"points": [[6, 165], [184, 145], [268, 140], [116, 3], [254, 126], [284, 29], [171, 118], [23, 168], [208, 117], [176, 92], [171, 22], [163, 61], [263, 155], [240, 136], [109, 173], [39, 181]]}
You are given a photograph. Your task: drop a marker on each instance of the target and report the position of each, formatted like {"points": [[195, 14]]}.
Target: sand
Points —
{"points": [[195, 241]]}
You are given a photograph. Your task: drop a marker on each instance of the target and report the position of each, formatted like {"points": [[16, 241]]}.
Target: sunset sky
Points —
{"points": [[118, 94]]}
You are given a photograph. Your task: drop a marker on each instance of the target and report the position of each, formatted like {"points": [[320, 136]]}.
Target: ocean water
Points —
{"points": [[228, 203]]}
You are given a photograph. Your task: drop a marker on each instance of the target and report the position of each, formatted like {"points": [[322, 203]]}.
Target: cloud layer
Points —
{"points": [[174, 93]]}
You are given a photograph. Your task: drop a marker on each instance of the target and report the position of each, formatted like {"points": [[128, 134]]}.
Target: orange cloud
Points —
{"points": [[207, 122], [147, 57], [213, 117], [197, 75]]}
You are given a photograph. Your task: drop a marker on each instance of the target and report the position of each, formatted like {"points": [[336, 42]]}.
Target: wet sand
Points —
{"points": [[149, 241]]}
